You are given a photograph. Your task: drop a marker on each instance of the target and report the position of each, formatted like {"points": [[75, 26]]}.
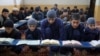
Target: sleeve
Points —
{"points": [[33, 15], [61, 29], [98, 35], [0, 24], [42, 16], [1, 21], [1, 34], [43, 29], [19, 35], [66, 33], [26, 35], [84, 34], [39, 35]]}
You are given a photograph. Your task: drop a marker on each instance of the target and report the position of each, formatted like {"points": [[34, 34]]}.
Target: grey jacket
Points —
{"points": [[2, 20]]}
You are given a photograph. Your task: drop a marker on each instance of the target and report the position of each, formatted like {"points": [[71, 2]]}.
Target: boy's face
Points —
{"points": [[51, 20], [8, 29], [75, 23], [32, 27], [65, 13], [91, 26], [5, 14], [16, 12]]}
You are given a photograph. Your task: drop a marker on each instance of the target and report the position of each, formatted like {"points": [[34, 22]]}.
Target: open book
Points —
{"points": [[2, 29], [95, 43], [71, 43], [28, 42], [50, 42], [6, 40]]}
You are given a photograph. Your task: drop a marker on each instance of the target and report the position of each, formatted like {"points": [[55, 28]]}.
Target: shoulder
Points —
{"points": [[26, 31], [41, 13], [16, 31], [44, 21], [1, 17], [38, 30], [33, 13], [68, 26], [81, 26], [58, 21]]}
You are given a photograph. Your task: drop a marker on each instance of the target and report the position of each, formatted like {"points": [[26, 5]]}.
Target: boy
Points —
{"points": [[65, 16], [32, 32], [4, 16], [75, 30], [22, 13], [14, 16], [10, 31], [75, 10], [37, 14], [52, 27], [91, 32], [45, 11]]}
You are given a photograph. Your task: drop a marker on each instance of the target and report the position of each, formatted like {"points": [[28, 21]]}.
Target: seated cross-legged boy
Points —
{"points": [[10, 32], [33, 33], [4, 16], [52, 28], [75, 30], [91, 32]]}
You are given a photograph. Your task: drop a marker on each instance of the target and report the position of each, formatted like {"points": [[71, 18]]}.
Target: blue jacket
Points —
{"points": [[33, 35], [74, 34], [52, 31], [91, 34], [38, 16]]}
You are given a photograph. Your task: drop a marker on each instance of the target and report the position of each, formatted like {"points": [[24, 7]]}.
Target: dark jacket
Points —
{"points": [[38, 16], [33, 35], [22, 16], [75, 11], [2, 20], [14, 34], [91, 34], [14, 18], [74, 34], [52, 31]]}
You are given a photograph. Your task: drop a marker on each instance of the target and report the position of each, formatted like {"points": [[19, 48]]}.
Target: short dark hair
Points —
{"points": [[65, 10], [37, 8], [68, 7], [75, 16], [5, 10], [75, 6], [9, 23], [45, 7], [56, 4], [21, 8], [31, 8]]}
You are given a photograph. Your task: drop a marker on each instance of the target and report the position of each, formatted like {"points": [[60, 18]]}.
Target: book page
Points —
{"points": [[7, 40], [29, 42], [94, 43]]}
